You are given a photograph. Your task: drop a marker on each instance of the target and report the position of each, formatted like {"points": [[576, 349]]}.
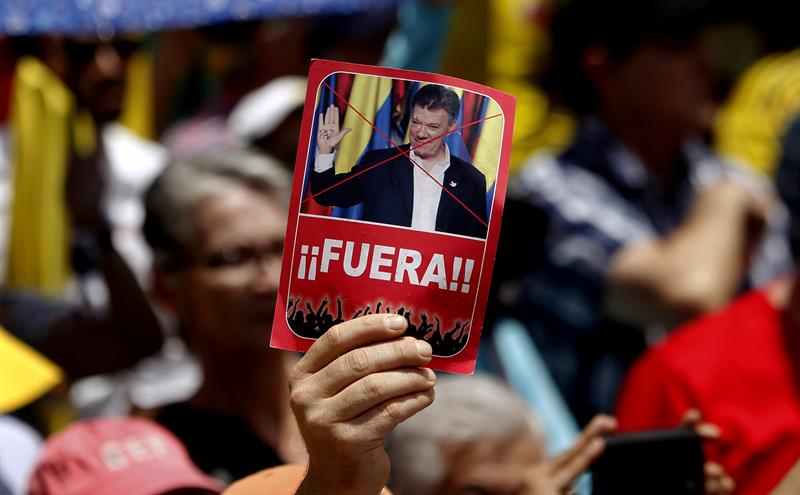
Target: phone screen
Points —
{"points": [[656, 462]]}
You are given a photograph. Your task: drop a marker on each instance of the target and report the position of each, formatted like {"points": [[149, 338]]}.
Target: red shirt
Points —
{"points": [[733, 367]]}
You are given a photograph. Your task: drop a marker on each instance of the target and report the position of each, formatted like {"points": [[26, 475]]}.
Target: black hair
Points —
{"points": [[618, 26], [434, 97], [787, 180]]}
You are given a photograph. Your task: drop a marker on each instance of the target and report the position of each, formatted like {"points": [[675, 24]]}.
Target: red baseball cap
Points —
{"points": [[130, 456]]}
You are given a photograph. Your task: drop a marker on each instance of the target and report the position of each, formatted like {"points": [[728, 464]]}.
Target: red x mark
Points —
{"points": [[402, 152]]}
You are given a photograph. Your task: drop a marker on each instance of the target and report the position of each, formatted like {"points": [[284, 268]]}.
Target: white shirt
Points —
{"points": [[19, 450], [427, 193]]}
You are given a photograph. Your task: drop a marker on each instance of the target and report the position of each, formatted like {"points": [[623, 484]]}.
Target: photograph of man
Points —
{"points": [[426, 188]]}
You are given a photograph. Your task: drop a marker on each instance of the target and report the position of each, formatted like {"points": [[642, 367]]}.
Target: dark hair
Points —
{"points": [[618, 26], [434, 97], [788, 181]]}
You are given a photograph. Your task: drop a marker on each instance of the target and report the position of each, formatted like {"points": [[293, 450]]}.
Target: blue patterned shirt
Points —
{"points": [[597, 198]]}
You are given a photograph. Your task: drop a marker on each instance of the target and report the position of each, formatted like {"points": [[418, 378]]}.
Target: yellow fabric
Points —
{"points": [[41, 107], [487, 154], [464, 53], [499, 44], [367, 95], [761, 106], [25, 374], [44, 129], [137, 105], [515, 49]]}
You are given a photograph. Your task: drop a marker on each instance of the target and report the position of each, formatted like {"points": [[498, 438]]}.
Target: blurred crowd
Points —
{"points": [[647, 273]]}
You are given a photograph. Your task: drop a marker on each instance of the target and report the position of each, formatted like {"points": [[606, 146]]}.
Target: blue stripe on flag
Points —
{"points": [[326, 98], [383, 121]]}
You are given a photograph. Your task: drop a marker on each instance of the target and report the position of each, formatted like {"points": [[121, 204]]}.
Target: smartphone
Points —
{"points": [[655, 462]]}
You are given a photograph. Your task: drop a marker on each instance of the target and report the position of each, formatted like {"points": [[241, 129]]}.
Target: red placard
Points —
{"points": [[350, 245]]}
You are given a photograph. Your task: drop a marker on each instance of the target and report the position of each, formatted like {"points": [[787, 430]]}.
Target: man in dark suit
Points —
{"points": [[404, 190]]}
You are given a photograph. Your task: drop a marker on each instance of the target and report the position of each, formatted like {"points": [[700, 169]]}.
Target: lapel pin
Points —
{"points": [[453, 184]]}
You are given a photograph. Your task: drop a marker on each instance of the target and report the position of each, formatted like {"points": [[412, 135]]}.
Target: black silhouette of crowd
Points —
{"points": [[311, 322]]}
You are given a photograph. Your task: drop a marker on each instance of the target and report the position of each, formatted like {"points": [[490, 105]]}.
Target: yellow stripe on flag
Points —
{"points": [[368, 94], [487, 154]]}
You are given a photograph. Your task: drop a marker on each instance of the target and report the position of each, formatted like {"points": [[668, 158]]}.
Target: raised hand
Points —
{"points": [[555, 476], [328, 133]]}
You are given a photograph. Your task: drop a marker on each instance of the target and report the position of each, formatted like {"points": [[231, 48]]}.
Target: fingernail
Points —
{"points": [[395, 322], [430, 375], [424, 349]]}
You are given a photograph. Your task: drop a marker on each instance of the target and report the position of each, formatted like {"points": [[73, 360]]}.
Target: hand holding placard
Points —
{"points": [[355, 384], [378, 230]]}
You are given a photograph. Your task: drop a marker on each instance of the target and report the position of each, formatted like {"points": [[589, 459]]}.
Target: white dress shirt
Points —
{"points": [[427, 193]]}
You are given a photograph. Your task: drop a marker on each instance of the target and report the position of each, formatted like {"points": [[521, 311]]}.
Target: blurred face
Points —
{"points": [[96, 74], [426, 125], [492, 467], [226, 299], [668, 83]]}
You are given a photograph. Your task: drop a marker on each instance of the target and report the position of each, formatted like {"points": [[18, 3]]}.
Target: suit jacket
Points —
{"points": [[387, 192]]}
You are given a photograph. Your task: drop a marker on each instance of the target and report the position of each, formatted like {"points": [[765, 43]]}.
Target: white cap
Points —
{"points": [[261, 111]]}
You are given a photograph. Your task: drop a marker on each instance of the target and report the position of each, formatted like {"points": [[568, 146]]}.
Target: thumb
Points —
{"points": [[342, 133]]}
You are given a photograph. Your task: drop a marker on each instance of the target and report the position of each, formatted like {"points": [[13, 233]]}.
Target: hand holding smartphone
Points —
{"points": [[656, 462]]}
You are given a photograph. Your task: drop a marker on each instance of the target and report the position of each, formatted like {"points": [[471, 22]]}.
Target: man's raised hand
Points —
{"points": [[556, 475], [355, 384], [328, 132]]}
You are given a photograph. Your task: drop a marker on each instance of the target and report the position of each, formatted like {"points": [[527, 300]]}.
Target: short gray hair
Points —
{"points": [[172, 200], [467, 409]]}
